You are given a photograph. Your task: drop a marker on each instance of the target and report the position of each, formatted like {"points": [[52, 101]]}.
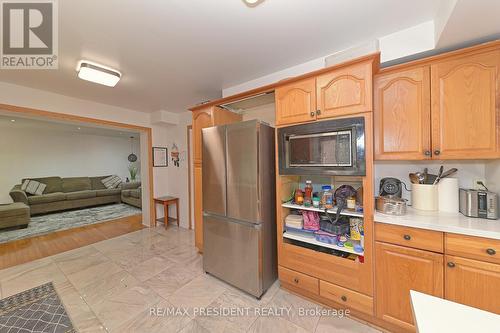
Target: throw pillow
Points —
{"points": [[33, 187], [111, 182]]}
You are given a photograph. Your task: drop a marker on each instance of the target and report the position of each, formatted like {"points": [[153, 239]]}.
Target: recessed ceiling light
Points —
{"points": [[93, 72], [13, 120], [252, 3], [79, 128]]}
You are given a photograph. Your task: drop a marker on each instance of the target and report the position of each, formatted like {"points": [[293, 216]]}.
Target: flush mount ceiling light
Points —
{"points": [[100, 74], [252, 3]]}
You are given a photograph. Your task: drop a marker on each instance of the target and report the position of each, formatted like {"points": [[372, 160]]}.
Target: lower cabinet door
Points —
{"points": [[474, 283], [398, 270]]}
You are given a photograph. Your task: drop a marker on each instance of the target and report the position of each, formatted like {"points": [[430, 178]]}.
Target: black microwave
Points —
{"points": [[332, 147]]}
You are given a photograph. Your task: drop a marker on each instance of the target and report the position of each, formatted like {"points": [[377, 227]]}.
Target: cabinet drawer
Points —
{"points": [[299, 280], [349, 298], [479, 248], [411, 237]]}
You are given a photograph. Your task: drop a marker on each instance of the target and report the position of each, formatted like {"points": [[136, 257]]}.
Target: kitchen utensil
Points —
{"points": [[439, 175], [448, 173], [421, 177], [430, 179], [391, 205], [426, 172], [413, 178]]}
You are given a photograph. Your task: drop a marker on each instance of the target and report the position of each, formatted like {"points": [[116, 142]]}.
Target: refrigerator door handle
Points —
{"points": [[230, 220]]}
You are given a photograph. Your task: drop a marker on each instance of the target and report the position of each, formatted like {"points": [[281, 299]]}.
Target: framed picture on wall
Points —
{"points": [[160, 157]]}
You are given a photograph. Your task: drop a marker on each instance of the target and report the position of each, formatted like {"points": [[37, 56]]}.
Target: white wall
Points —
{"points": [[265, 113], [174, 180], [32, 153], [468, 171]]}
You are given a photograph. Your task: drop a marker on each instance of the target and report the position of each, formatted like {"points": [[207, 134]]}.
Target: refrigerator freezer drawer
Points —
{"points": [[231, 252]]}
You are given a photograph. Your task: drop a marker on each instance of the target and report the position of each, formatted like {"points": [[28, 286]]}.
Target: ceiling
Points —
{"points": [[6, 121], [174, 54]]}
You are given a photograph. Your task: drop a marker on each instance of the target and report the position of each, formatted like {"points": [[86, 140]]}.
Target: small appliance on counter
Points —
{"points": [[390, 186], [476, 203], [389, 200]]}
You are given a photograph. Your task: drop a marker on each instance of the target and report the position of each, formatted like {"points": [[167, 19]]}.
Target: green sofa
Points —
{"points": [[67, 193], [132, 194]]}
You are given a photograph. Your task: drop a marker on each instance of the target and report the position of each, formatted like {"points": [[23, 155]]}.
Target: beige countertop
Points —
{"points": [[446, 222]]}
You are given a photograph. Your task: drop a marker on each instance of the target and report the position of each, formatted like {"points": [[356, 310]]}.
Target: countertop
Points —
{"points": [[437, 315], [446, 222]]}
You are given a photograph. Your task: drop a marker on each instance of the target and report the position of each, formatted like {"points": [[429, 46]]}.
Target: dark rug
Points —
{"points": [[35, 310]]}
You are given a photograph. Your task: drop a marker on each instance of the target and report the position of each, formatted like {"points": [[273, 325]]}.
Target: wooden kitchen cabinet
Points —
{"points": [[445, 108], [346, 90], [474, 283], [201, 119], [398, 270], [198, 208], [402, 114], [465, 95], [296, 102]]}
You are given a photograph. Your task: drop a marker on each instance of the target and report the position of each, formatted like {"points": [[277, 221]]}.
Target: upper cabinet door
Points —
{"points": [[402, 115], [465, 92], [345, 91], [201, 119], [296, 102]]}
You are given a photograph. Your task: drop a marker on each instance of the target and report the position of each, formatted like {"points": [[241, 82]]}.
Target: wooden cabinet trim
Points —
{"points": [[478, 248]]}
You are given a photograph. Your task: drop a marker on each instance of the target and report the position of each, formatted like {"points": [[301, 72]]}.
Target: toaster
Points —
{"points": [[476, 203]]}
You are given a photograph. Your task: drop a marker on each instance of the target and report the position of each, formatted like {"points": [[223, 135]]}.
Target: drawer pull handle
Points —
{"points": [[344, 298], [407, 237], [296, 280], [491, 252], [451, 264], [318, 112], [313, 113]]}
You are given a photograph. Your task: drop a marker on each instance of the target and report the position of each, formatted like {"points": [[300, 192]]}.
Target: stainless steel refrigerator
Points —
{"points": [[239, 205]]}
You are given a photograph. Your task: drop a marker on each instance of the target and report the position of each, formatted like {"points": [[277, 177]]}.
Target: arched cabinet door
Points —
{"points": [[402, 114], [465, 106], [345, 91], [296, 102]]}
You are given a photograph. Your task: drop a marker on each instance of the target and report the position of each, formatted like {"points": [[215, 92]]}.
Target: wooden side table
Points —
{"points": [[166, 201]]}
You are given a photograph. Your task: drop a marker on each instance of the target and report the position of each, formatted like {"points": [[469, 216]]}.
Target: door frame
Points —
{"points": [[190, 217], [95, 121]]}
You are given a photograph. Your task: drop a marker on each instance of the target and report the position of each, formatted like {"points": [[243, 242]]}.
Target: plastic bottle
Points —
{"points": [[308, 193], [327, 197]]}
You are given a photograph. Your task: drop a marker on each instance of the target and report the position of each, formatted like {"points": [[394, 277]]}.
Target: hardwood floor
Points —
{"points": [[25, 250]]}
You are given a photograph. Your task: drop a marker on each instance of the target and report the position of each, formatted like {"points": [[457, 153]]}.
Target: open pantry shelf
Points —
{"points": [[331, 211], [311, 240]]}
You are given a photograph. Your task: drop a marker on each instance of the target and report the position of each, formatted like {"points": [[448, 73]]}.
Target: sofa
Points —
{"points": [[67, 193], [132, 194]]}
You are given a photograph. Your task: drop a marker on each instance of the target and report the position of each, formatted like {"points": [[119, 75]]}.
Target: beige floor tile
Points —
{"points": [[150, 268], [194, 327], [170, 280], [240, 321], [275, 324], [119, 309], [342, 325], [284, 299], [92, 274], [81, 315], [79, 259], [155, 320], [200, 292], [17, 279], [102, 289]]}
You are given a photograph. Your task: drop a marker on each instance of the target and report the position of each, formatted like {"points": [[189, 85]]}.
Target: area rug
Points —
{"points": [[44, 224], [35, 310]]}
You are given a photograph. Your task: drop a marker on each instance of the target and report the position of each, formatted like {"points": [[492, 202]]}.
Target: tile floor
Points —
{"points": [[114, 285]]}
